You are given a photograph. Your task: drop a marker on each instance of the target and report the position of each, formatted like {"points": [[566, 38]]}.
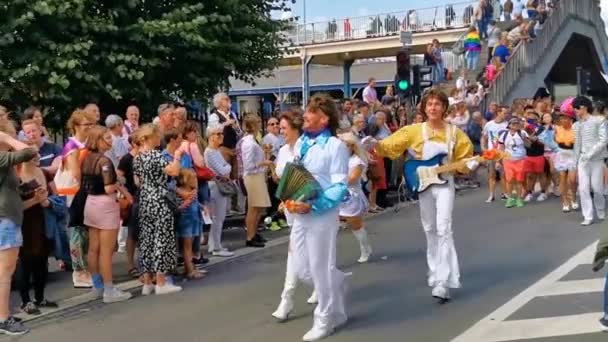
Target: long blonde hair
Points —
{"points": [[350, 139]]}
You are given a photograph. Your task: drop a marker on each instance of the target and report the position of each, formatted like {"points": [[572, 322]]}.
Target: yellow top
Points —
{"points": [[411, 137]]}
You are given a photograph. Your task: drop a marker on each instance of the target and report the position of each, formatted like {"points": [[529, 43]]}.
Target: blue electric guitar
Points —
{"points": [[420, 175]]}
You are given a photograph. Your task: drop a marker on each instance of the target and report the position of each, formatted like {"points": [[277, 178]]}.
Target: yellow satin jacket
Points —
{"points": [[410, 137]]}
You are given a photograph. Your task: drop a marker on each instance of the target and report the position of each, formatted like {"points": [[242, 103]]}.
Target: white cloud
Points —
{"points": [[286, 15]]}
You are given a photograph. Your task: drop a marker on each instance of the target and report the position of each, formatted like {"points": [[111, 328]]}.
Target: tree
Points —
{"points": [[64, 53]]}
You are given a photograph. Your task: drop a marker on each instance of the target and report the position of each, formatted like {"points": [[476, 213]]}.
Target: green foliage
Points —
{"points": [[64, 53]]}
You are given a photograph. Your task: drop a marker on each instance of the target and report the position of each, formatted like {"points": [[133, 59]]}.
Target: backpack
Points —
{"points": [[503, 137]]}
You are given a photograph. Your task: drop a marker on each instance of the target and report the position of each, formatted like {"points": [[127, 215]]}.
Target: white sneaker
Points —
{"points": [[601, 216], [114, 295], [319, 331], [147, 290], [566, 208], [313, 298], [364, 256], [528, 198], [167, 289], [574, 205], [82, 280], [586, 222], [542, 197], [490, 199], [283, 311], [222, 253], [440, 292]]}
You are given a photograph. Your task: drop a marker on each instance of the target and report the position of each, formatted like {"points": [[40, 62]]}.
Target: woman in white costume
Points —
{"points": [[291, 126], [356, 205], [316, 222], [426, 140]]}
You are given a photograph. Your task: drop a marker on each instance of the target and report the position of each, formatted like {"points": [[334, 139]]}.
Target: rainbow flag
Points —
{"points": [[472, 42]]}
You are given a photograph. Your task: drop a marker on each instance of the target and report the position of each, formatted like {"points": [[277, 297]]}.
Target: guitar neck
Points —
{"points": [[456, 165]]}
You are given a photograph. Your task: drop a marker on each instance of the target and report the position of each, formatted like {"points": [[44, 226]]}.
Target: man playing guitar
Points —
{"points": [[425, 141]]}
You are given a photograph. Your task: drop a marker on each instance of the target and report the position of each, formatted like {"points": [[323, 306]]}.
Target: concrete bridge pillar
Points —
{"points": [[348, 91]]}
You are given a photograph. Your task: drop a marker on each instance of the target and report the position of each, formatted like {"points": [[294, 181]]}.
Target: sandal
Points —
{"points": [[195, 275], [134, 272]]}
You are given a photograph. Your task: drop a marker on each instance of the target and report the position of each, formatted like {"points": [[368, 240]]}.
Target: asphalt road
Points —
{"points": [[502, 253]]}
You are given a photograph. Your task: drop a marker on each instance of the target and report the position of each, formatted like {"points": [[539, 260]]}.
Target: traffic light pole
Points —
{"points": [[579, 74]]}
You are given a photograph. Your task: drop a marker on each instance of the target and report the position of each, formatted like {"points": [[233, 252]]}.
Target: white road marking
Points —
{"points": [[542, 327], [494, 327], [561, 288]]}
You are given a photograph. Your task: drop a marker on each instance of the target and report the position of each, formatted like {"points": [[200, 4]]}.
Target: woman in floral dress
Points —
{"points": [[157, 240]]}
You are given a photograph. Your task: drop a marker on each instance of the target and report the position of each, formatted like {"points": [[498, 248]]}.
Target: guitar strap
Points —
{"points": [[450, 135]]}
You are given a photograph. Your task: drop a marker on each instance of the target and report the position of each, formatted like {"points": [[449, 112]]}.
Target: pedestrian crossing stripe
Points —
{"points": [[495, 327]]}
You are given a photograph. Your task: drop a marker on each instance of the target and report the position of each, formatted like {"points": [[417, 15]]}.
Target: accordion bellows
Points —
{"points": [[297, 184]]}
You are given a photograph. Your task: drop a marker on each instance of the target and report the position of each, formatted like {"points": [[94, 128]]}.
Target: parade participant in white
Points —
{"points": [[427, 140], [316, 223], [291, 126], [590, 140], [356, 206]]}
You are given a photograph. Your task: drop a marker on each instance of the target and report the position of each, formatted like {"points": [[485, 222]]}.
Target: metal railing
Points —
{"points": [[448, 16], [526, 56]]}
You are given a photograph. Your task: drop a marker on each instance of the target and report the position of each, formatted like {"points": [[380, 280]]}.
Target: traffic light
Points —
{"points": [[403, 85], [583, 80], [420, 84]]}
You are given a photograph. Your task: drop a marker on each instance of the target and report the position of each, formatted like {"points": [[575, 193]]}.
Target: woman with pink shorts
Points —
{"points": [[101, 213]]}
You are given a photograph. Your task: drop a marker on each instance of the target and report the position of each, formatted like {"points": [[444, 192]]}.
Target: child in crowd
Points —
{"points": [[189, 220], [493, 69], [514, 142]]}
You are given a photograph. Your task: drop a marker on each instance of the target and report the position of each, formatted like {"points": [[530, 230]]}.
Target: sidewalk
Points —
{"points": [[60, 288]]}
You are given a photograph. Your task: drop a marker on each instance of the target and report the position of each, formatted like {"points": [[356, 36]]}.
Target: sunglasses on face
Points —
{"points": [[218, 133], [273, 124]]}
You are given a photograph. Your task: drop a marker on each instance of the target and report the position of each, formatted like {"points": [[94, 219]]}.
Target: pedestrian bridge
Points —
{"points": [[343, 40]]}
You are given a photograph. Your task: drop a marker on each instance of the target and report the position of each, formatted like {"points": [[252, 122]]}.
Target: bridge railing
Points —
{"points": [[442, 17], [526, 56]]}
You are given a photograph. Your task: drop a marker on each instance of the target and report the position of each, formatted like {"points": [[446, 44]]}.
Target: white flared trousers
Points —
{"points": [[313, 254], [591, 178], [436, 205]]}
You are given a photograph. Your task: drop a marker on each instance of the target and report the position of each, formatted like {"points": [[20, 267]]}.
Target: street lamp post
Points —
{"points": [[304, 64]]}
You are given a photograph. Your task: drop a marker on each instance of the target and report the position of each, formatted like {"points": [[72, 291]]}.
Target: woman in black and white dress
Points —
{"points": [[157, 240], [355, 208]]}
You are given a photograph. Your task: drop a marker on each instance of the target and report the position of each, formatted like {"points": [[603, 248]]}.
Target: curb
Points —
{"points": [[70, 303]]}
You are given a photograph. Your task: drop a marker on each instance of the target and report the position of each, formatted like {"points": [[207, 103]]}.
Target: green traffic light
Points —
{"points": [[403, 85]]}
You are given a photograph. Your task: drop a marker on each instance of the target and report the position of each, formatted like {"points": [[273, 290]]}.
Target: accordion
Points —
{"points": [[297, 184]]}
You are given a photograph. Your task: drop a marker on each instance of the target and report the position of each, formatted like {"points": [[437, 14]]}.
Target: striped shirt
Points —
{"points": [[591, 138], [216, 162]]}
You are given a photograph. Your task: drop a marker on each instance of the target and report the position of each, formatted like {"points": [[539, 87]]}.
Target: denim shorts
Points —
{"points": [[10, 234]]}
